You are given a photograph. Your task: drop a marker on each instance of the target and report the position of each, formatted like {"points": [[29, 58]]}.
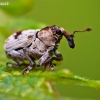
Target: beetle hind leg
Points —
{"points": [[15, 55], [18, 63], [32, 64]]}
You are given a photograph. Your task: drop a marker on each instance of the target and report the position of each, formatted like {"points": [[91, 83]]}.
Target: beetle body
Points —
{"points": [[39, 44]]}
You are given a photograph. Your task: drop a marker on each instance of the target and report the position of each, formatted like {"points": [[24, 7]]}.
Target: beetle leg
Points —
{"points": [[18, 63], [58, 55], [48, 63], [57, 58], [14, 55], [49, 66], [44, 57], [26, 70], [50, 59]]}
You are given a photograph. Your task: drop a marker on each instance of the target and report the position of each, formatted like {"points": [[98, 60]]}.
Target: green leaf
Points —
{"points": [[62, 76], [24, 87], [37, 82]]}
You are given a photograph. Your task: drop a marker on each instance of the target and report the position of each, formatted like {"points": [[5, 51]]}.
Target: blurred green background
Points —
{"points": [[71, 15]]}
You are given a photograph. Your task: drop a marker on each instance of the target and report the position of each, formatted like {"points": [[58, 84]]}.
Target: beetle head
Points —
{"points": [[58, 32], [70, 37]]}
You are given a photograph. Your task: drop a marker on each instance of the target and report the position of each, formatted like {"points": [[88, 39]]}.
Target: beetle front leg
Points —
{"points": [[49, 65], [57, 58], [26, 70], [50, 60], [45, 56]]}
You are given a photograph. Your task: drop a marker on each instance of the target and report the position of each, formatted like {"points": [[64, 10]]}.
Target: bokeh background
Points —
{"points": [[71, 15]]}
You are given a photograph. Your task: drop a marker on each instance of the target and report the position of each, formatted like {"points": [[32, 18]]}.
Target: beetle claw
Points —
{"points": [[26, 70]]}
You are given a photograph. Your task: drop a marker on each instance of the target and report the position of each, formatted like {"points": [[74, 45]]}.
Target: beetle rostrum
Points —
{"points": [[39, 44]]}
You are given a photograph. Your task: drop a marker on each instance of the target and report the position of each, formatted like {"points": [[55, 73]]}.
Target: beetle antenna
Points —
{"points": [[88, 29]]}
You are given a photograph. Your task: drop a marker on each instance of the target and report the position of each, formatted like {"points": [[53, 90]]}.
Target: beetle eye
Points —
{"points": [[58, 31]]}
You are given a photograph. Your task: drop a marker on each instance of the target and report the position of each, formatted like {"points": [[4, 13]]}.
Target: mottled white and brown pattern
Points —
{"points": [[39, 44]]}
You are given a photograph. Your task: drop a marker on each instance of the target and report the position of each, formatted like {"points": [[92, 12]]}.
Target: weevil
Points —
{"points": [[39, 44]]}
